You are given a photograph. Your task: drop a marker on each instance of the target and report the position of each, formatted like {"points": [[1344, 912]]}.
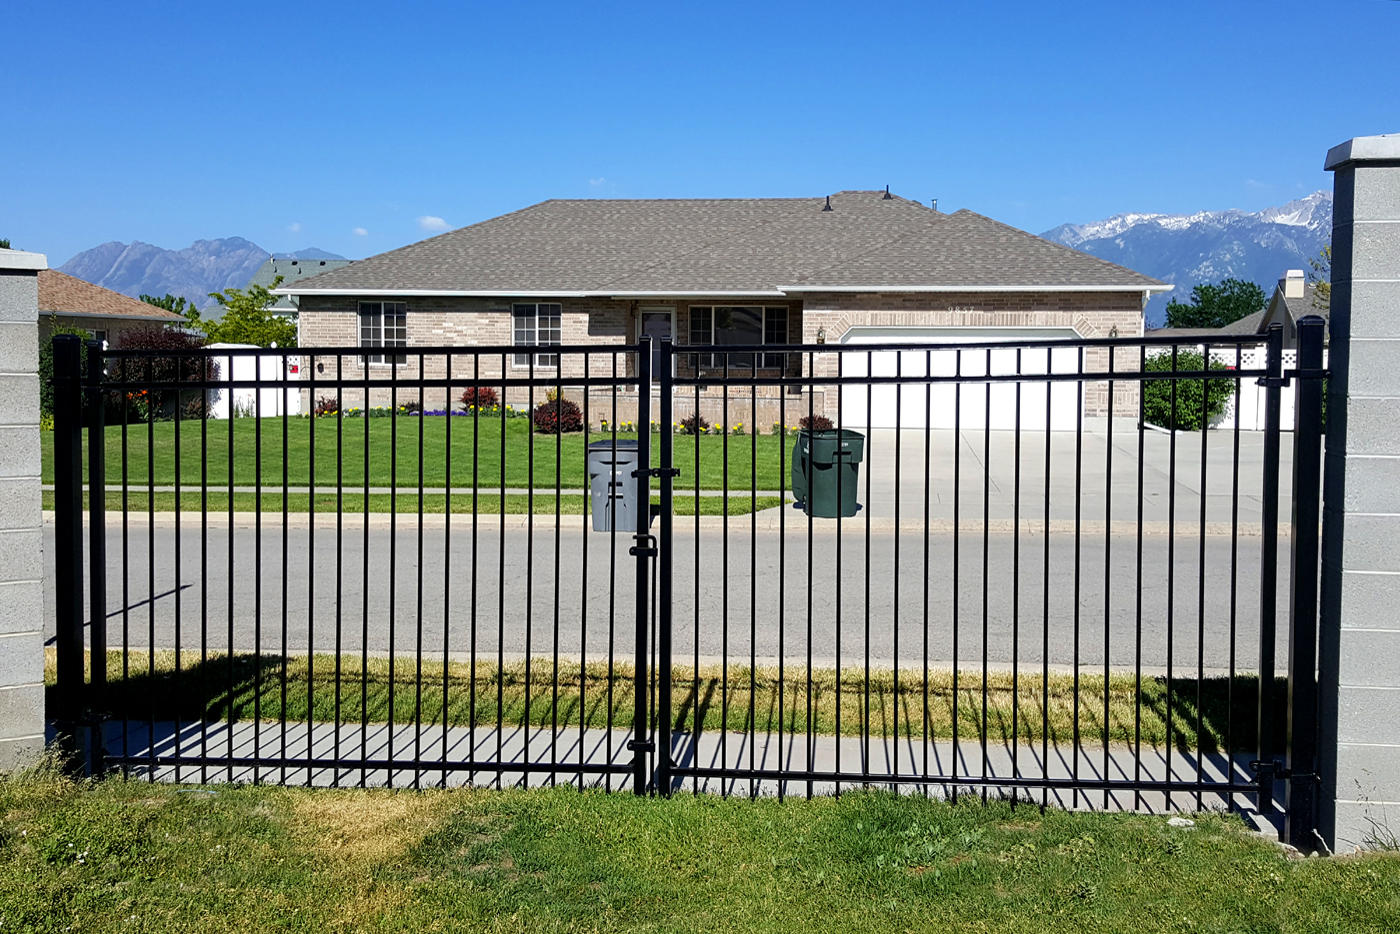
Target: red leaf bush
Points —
{"points": [[483, 397], [557, 417]]}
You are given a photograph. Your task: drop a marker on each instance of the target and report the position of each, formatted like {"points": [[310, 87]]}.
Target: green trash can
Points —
{"points": [[826, 471]]}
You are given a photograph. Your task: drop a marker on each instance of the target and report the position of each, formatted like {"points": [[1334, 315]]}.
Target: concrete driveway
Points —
{"points": [[1098, 470]]}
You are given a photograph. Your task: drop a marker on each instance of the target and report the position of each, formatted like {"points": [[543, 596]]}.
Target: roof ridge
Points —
{"points": [[934, 219], [673, 256]]}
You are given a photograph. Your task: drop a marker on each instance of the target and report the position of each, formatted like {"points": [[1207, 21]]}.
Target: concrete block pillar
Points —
{"points": [[21, 539], [1359, 635]]}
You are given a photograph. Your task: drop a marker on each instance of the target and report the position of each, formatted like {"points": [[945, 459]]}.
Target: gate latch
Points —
{"points": [[645, 547], [641, 745], [1280, 381], [657, 472], [1269, 769]]}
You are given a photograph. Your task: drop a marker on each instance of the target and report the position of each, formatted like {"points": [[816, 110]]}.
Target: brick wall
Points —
{"points": [[331, 321]]}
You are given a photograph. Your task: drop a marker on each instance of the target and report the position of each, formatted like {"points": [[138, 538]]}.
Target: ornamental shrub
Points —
{"points": [[1196, 405], [815, 423], [557, 416], [696, 424], [483, 397], [181, 362]]}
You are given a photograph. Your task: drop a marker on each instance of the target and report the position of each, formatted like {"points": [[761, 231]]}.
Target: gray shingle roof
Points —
{"points": [[726, 245]]}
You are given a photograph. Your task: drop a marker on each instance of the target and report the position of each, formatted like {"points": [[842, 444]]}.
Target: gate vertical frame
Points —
{"points": [[1265, 764], [1301, 762], [667, 476], [68, 534], [643, 550], [97, 547]]}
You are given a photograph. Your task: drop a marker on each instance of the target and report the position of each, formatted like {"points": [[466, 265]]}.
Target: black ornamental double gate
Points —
{"points": [[323, 566]]}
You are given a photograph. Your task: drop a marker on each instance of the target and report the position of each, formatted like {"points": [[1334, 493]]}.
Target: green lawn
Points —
{"points": [[130, 856], [152, 454], [216, 690]]}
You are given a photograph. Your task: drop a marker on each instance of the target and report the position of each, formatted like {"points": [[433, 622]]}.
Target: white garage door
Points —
{"points": [[937, 406]]}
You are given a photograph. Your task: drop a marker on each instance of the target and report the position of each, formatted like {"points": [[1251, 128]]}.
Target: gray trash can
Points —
{"points": [[612, 488]]}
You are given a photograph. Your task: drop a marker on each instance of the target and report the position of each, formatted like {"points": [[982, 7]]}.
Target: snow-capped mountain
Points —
{"points": [[1207, 246]]}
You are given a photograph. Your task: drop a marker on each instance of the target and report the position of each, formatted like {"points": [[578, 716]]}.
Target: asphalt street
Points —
{"points": [[751, 592]]}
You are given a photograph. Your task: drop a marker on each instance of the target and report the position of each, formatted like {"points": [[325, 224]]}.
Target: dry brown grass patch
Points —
{"points": [[360, 828]]}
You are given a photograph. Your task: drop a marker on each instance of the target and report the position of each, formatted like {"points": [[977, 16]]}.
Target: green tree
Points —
{"points": [[178, 304], [1321, 277], [1214, 306], [247, 320], [4, 243]]}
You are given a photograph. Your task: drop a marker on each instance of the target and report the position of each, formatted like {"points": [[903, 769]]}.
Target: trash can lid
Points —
{"points": [[621, 444]]}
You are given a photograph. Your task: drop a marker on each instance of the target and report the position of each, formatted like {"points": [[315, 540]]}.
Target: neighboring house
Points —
{"points": [[106, 315], [1293, 298], [858, 267], [292, 272]]}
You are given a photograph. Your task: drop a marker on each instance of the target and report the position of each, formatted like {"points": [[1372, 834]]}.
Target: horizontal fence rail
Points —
{"points": [[1029, 569]]}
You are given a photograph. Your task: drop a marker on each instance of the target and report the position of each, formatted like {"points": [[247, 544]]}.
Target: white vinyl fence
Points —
{"points": [[1248, 405], [247, 401]]}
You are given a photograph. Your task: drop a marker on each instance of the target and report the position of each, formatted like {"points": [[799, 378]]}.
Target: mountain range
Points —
{"points": [[1183, 249], [1187, 249], [202, 267]]}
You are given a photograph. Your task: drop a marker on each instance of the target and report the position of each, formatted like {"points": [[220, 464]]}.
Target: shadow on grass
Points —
{"points": [[1212, 714]]}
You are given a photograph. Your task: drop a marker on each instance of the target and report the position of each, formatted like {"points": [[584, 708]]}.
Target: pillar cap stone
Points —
{"points": [[1384, 148], [20, 260]]}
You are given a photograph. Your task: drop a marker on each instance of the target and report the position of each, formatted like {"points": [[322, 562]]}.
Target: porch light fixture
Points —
{"points": [[821, 335], [1113, 332]]}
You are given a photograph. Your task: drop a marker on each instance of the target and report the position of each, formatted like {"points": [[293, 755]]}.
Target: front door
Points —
{"points": [[656, 324]]}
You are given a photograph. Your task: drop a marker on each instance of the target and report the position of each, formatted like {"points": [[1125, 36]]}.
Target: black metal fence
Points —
{"points": [[387, 573]]}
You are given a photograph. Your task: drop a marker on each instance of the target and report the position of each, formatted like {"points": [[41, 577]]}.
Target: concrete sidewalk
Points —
{"points": [[1116, 779]]}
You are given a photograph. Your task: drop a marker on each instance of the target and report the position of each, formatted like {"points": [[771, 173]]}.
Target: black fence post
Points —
{"points": [[663, 630], [1266, 765], [643, 551], [97, 549], [1300, 806], [68, 537]]}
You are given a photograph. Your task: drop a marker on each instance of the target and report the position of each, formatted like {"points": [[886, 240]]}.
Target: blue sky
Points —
{"points": [[357, 127]]}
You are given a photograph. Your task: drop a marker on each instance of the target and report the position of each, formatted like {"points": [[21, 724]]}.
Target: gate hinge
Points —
{"points": [[656, 472], [641, 745], [645, 547]]}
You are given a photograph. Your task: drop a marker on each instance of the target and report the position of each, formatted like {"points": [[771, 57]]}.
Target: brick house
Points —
{"points": [[106, 315], [857, 267]]}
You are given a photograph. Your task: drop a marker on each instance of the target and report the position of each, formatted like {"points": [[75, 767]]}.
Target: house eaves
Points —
{"points": [[1160, 287]]}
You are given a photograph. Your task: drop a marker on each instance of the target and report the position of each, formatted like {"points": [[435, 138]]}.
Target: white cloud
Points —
{"points": [[294, 227], [431, 223], [597, 182], [360, 232]]}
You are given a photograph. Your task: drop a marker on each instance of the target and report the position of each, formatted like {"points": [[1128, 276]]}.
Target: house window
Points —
{"points": [[537, 325], [100, 335], [383, 324], [739, 325]]}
